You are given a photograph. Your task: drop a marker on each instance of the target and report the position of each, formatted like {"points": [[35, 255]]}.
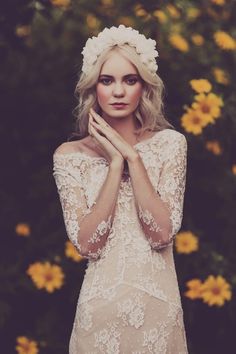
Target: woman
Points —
{"points": [[121, 187]]}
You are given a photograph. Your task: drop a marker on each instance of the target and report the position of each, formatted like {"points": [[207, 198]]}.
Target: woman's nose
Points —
{"points": [[118, 90]]}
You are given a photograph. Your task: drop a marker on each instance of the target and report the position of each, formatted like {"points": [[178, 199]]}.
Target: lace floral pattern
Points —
{"points": [[155, 339], [84, 316], [101, 230], [75, 208], [149, 220], [107, 339], [132, 311], [129, 301]]}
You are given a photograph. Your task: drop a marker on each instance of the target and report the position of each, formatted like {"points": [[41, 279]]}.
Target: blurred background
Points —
{"points": [[40, 50]]}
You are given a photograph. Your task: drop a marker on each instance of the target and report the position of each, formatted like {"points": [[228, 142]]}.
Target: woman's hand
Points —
{"points": [[111, 139], [103, 144]]}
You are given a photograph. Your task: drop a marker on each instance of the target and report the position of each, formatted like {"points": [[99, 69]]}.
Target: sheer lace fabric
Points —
{"points": [[74, 206], [129, 301]]}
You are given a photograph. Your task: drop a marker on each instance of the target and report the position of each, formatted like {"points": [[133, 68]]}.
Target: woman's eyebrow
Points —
{"points": [[125, 76]]}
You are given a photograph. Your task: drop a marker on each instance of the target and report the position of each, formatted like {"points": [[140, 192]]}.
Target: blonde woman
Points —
{"points": [[121, 186]]}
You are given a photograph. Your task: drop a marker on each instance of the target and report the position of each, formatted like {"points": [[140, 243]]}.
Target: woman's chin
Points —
{"points": [[117, 113]]}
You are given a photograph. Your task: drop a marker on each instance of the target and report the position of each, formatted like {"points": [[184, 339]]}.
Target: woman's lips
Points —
{"points": [[119, 105]]}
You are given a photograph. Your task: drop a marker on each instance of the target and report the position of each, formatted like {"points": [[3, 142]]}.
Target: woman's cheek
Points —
{"points": [[102, 94], [136, 94]]}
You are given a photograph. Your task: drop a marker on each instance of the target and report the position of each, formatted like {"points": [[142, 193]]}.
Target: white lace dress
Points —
{"points": [[129, 301]]}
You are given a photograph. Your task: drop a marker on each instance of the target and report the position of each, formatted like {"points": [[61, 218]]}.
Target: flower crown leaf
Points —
{"points": [[109, 37]]}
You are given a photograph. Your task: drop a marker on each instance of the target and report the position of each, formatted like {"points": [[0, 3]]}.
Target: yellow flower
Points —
{"points": [[193, 121], [195, 289], [209, 104], [26, 346], [36, 272], [23, 31], [61, 3], [193, 12], [140, 11], [201, 85], [160, 15], [197, 39], [22, 229], [234, 169], [45, 275], [178, 42], [186, 242], [224, 40], [216, 290], [220, 76], [174, 13], [214, 147], [92, 21], [72, 252], [218, 2]]}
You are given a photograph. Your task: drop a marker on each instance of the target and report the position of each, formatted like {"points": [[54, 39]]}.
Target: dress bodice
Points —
{"points": [[127, 256]]}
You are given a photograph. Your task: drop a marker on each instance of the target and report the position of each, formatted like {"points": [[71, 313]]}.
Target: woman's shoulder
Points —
{"points": [[172, 133], [82, 147], [69, 147]]}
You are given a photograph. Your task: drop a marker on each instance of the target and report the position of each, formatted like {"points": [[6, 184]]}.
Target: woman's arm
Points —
{"points": [[87, 228], [160, 212]]}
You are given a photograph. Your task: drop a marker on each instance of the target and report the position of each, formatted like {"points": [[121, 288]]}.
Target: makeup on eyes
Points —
{"points": [[129, 77]]}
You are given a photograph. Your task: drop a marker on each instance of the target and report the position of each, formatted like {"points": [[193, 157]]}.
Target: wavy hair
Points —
{"points": [[150, 110]]}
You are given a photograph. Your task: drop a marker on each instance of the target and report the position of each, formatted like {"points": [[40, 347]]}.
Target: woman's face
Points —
{"points": [[120, 82]]}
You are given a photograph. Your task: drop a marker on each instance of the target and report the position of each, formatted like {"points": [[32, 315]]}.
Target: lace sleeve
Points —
{"points": [[171, 189], [171, 186], [74, 207]]}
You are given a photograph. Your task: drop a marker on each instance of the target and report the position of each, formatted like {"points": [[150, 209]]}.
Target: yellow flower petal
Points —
{"points": [[195, 289], [46, 276], [186, 242], [23, 229], [216, 290], [71, 252], [214, 147], [179, 42], [224, 40], [26, 346], [193, 121], [201, 85]]}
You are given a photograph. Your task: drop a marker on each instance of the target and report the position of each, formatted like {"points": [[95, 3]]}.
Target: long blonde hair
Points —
{"points": [[150, 111]]}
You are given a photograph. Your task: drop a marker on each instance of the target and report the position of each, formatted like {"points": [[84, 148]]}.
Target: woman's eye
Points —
{"points": [[132, 81], [105, 81]]}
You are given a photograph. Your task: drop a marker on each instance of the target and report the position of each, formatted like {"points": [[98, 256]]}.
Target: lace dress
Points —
{"points": [[129, 302]]}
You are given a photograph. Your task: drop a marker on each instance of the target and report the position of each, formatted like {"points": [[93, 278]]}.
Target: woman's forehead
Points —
{"points": [[121, 64]]}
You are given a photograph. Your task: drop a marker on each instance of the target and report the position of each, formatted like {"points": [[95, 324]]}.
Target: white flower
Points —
{"points": [[109, 37]]}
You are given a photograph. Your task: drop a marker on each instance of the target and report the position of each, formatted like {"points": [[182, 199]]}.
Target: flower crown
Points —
{"points": [[146, 48]]}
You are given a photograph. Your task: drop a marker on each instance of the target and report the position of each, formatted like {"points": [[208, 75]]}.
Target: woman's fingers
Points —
{"points": [[96, 125], [95, 134], [99, 119]]}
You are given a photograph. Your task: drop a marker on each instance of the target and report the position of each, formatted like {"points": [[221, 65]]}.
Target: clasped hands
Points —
{"points": [[109, 140]]}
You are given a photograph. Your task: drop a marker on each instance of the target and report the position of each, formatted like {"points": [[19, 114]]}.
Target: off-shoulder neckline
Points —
{"points": [[81, 153]]}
